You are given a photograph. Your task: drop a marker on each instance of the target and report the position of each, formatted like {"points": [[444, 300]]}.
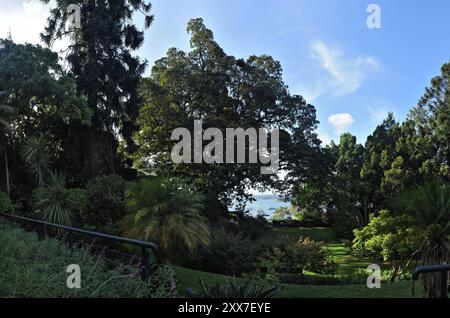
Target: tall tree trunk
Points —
{"points": [[8, 185], [92, 152]]}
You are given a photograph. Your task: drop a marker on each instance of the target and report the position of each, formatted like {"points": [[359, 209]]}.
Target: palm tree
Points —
{"points": [[5, 129], [54, 201], [430, 206], [35, 154], [167, 212]]}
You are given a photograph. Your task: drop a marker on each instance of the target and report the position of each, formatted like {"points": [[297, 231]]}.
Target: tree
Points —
{"points": [[5, 128], [379, 153], [44, 100], [436, 102], [106, 74], [35, 155], [224, 92], [350, 210], [316, 194], [284, 213], [429, 205], [166, 211], [389, 238]]}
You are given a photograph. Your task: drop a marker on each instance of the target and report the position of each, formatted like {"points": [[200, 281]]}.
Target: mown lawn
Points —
{"points": [[277, 235], [347, 263], [188, 278]]}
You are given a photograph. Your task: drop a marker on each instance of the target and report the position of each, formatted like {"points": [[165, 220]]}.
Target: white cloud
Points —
{"points": [[25, 19], [341, 121], [339, 75]]}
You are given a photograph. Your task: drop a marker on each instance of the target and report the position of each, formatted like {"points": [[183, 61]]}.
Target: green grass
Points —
{"points": [[188, 278], [37, 260], [277, 235], [34, 268], [347, 263]]}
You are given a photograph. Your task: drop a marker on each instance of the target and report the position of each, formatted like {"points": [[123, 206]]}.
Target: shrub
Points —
{"points": [[105, 196], [166, 211], [6, 205], [389, 238], [227, 253], [236, 289], [252, 227], [78, 197], [312, 218], [53, 201], [296, 257], [316, 256], [284, 213]]}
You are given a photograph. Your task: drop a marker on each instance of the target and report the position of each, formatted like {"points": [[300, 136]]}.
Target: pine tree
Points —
{"points": [[106, 73]]}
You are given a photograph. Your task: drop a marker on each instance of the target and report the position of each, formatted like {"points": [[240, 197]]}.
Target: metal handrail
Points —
{"points": [[429, 269], [443, 269], [145, 262]]}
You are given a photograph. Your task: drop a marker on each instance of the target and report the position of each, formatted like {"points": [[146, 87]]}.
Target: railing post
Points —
{"points": [[145, 264]]}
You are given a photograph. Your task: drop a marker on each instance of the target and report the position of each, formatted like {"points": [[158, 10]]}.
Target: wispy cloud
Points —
{"points": [[338, 74], [341, 121], [379, 110]]}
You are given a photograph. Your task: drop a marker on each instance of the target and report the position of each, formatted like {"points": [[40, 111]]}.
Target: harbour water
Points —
{"points": [[266, 204]]}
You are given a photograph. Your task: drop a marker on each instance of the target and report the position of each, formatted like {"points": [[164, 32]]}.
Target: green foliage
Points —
{"points": [[379, 155], [312, 218], [35, 154], [78, 196], [296, 257], [37, 86], [105, 203], [6, 205], [252, 227], [166, 211], [237, 289], [45, 102], [285, 213], [364, 180], [33, 268], [5, 112], [53, 202], [227, 253], [386, 237], [429, 206], [394, 239], [185, 86], [100, 59]]}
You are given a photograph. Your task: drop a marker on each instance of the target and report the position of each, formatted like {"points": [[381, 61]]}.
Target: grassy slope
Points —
{"points": [[190, 279], [347, 264]]}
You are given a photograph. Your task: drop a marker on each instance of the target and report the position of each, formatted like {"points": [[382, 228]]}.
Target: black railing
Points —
{"points": [[443, 269], [145, 257]]}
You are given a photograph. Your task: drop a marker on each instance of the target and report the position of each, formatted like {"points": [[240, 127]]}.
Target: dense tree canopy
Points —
{"points": [[395, 156], [44, 101], [224, 92], [106, 74]]}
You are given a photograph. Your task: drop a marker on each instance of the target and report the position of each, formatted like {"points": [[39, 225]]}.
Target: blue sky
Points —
{"points": [[326, 49], [352, 74]]}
